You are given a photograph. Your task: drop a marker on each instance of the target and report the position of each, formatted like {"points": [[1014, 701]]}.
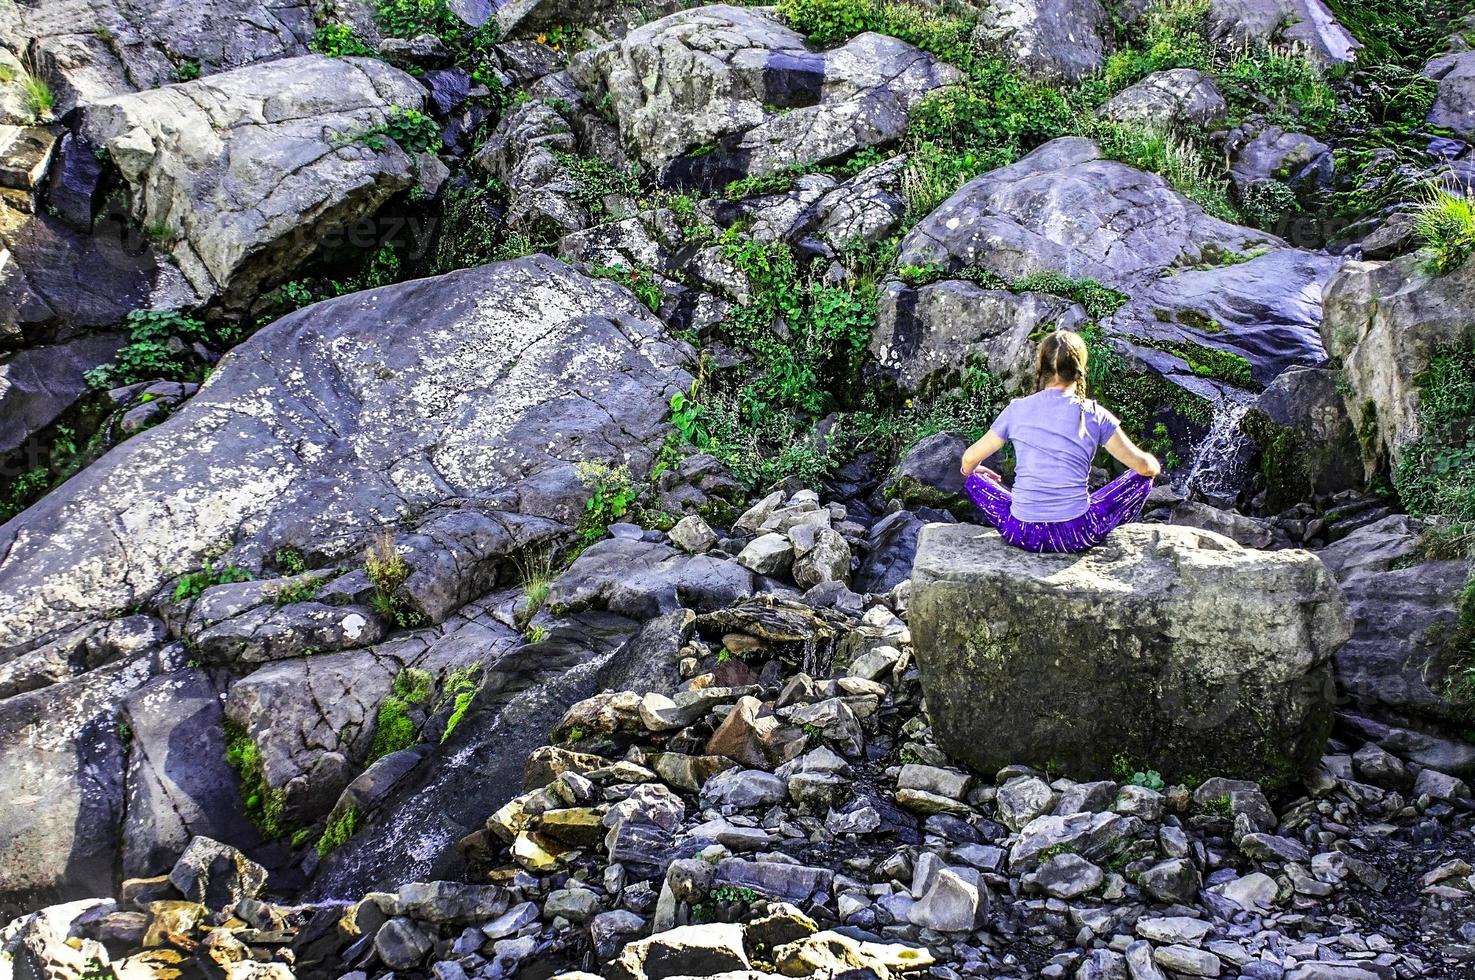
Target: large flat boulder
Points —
{"points": [[1192, 281], [1385, 322], [241, 175], [91, 49], [714, 93], [488, 385], [1138, 648]]}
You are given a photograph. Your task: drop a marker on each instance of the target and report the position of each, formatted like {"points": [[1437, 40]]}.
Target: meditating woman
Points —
{"points": [[1056, 432]]}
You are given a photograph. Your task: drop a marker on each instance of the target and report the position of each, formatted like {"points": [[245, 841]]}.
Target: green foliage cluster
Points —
{"points": [[1445, 224], [612, 493], [412, 130], [192, 584], [187, 70], [1127, 772], [264, 806], [1139, 397], [302, 590], [339, 830], [459, 689], [596, 182], [37, 98], [641, 282], [1098, 300], [1209, 362], [337, 40], [1435, 476], [1405, 33], [289, 560], [64, 457], [1181, 162], [394, 729], [157, 349], [388, 572]]}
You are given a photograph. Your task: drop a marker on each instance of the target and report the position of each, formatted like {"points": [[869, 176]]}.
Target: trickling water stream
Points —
{"points": [[1217, 467]]}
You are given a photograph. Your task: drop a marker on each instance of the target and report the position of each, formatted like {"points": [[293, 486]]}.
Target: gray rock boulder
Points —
{"points": [[1307, 443], [1179, 97], [37, 386], [714, 93], [475, 385], [1454, 106], [1307, 25], [1032, 648], [1301, 162], [178, 785], [62, 751], [929, 474], [244, 173], [1050, 40], [216, 875], [93, 50], [1404, 609], [523, 152], [1192, 281], [1385, 321], [926, 336]]}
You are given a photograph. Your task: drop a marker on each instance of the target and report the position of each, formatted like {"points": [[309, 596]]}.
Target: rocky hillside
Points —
{"points": [[466, 467]]}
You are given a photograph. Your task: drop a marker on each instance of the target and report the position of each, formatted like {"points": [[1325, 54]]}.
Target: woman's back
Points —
{"points": [[1055, 435]]}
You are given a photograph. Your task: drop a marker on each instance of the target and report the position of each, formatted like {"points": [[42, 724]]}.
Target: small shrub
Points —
{"points": [[37, 97], [394, 729], [1445, 224], [388, 571], [304, 590], [150, 355], [339, 830], [536, 573], [337, 40], [412, 131], [611, 494], [186, 71], [191, 584], [289, 560], [641, 282]]}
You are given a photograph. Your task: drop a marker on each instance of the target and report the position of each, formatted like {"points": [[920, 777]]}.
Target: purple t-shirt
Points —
{"points": [[1052, 478]]}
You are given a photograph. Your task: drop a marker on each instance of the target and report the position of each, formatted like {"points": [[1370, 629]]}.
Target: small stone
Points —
{"points": [[611, 930], [1068, 876], [744, 789], [1440, 786], [1175, 881], [693, 535], [949, 783], [1023, 799], [952, 903], [1269, 847], [686, 951], [216, 875], [1173, 929], [578, 905], [1188, 961], [400, 944], [771, 555], [1255, 892]]}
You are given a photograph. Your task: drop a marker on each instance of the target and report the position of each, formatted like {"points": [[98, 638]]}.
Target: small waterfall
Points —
{"points": [[1216, 469]]}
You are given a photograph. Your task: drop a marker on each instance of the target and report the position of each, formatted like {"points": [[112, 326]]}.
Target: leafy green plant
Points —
{"points": [[150, 353], [394, 728], [187, 70], [388, 571], [192, 584], [595, 182], [1445, 224], [641, 282], [337, 40], [289, 560], [611, 494], [686, 416], [412, 131], [303, 590]]}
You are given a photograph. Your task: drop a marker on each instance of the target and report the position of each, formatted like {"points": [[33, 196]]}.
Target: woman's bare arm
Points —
{"points": [[980, 451], [1126, 452]]}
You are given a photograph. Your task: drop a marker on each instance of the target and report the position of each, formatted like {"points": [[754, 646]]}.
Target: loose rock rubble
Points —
{"points": [[786, 811]]}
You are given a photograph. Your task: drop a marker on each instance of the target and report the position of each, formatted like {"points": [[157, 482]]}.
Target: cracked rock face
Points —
{"points": [[1305, 24], [1454, 106], [716, 93], [91, 49], [1051, 40], [489, 383], [1189, 278], [1182, 97], [242, 174]]}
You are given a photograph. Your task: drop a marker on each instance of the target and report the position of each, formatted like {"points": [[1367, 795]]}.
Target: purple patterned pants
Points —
{"points": [[1119, 502]]}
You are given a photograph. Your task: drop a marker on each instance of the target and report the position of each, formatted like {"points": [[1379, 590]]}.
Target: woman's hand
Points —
{"points": [[980, 451]]}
